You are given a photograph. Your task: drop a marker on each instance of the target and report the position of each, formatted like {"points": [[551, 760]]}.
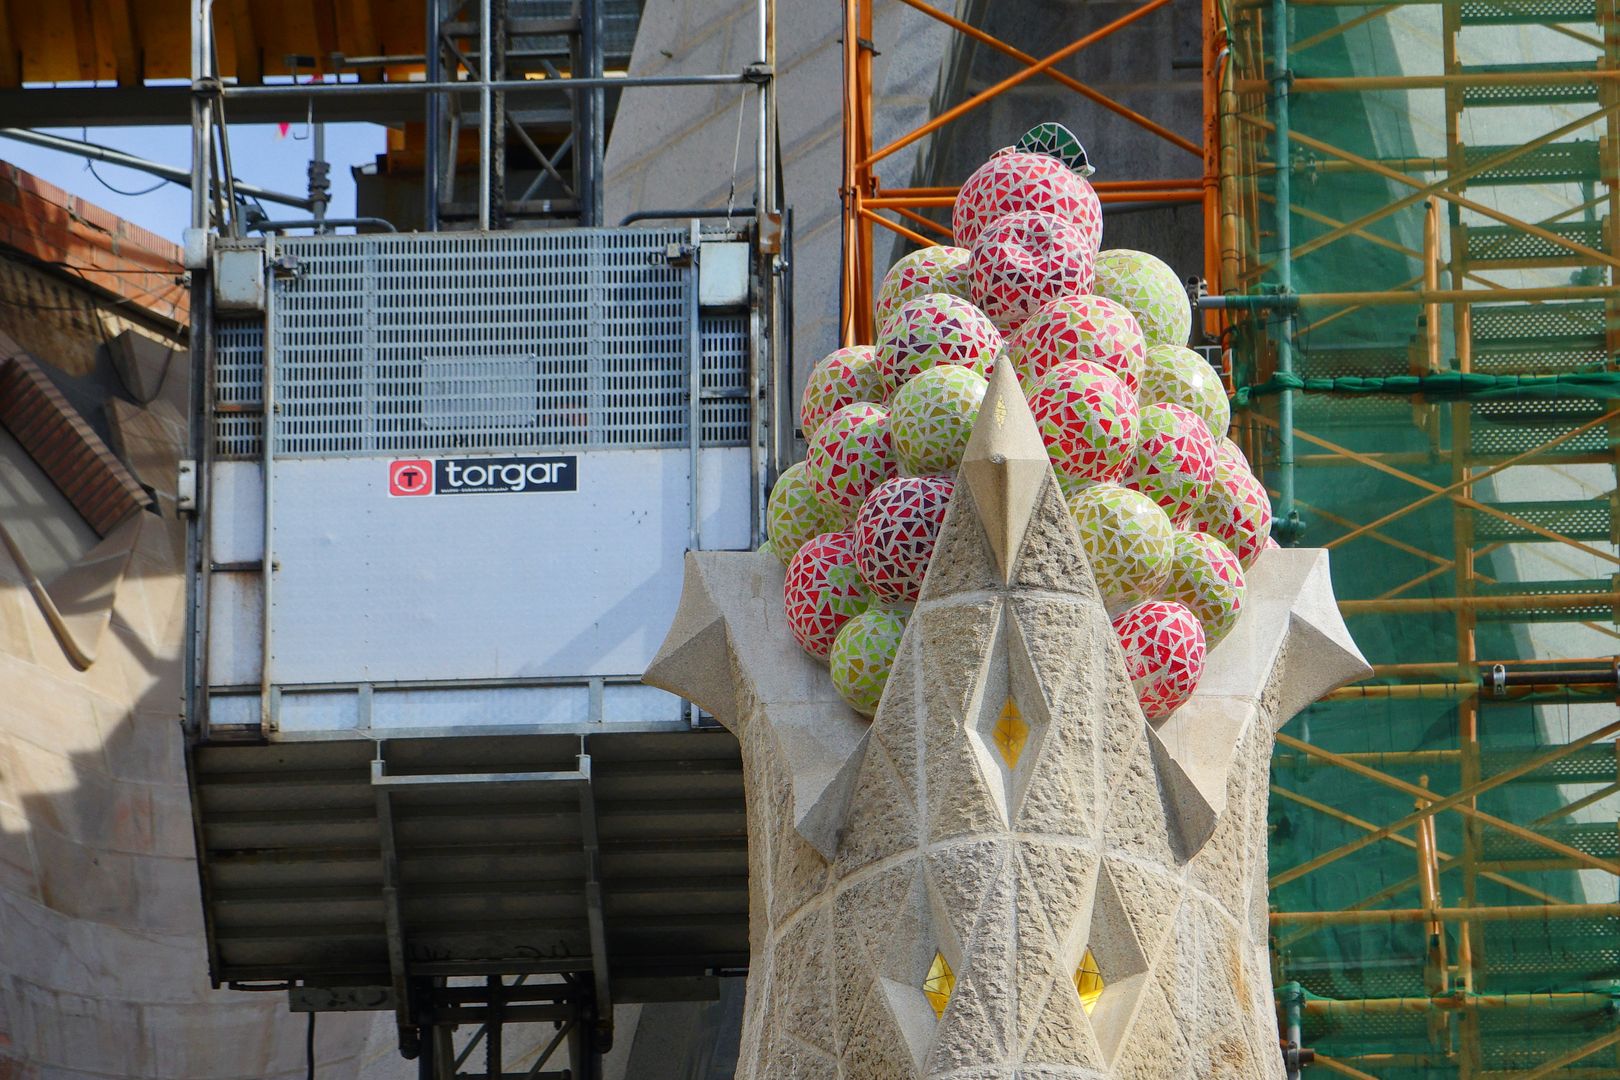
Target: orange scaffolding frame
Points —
{"points": [[866, 201]]}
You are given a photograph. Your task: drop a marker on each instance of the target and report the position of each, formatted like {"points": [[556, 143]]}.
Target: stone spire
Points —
{"points": [[1010, 873]]}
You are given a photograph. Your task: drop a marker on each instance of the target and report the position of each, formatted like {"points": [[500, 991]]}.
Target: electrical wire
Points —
{"points": [[84, 134], [309, 1048]]}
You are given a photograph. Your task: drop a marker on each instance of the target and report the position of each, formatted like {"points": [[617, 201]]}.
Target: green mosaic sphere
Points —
{"points": [[793, 514], [1127, 538], [1175, 375], [842, 377], [863, 655], [1152, 292], [1206, 576], [767, 548], [931, 416], [938, 269]]}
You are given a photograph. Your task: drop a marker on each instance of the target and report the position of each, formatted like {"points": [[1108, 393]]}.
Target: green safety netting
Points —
{"points": [[1511, 378]]}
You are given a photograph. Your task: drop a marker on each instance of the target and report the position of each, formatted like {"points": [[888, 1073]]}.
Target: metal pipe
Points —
{"points": [[596, 115], [682, 214], [1513, 913], [1293, 996], [267, 452], [1531, 602], [326, 223], [485, 128], [510, 86], [172, 173], [201, 112], [1454, 1001], [1288, 525], [431, 115], [694, 392]]}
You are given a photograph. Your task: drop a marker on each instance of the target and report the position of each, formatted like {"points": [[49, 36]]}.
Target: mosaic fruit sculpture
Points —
{"points": [[1126, 537], [932, 331], [1070, 328], [1021, 261], [793, 514], [1164, 654], [1175, 459], [918, 273], [930, 418], [850, 455], [864, 653], [1207, 578], [1088, 419], [895, 533], [823, 591], [842, 377], [1175, 375], [1151, 290], [1015, 181], [1134, 422]]}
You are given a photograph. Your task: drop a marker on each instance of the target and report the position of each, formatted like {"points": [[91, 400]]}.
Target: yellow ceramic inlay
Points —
{"points": [[1089, 982], [938, 985], [1001, 411], [1011, 733]]}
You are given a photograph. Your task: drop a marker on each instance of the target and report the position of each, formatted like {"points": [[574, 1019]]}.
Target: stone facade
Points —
{"points": [[1009, 817]]}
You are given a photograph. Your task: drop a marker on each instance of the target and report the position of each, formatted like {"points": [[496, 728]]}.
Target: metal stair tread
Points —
{"points": [[1526, 12], [1554, 163], [1528, 93], [1579, 519], [1504, 246]]}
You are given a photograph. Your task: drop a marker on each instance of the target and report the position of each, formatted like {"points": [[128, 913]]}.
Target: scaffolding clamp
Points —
{"points": [[1498, 681]]}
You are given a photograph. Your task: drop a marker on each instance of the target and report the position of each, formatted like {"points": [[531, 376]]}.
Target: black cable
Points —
{"points": [[91, 165], [309, 1049]]}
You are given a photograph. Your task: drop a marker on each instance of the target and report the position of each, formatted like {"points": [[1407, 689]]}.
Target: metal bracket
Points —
{"points": [[1498, 681]]}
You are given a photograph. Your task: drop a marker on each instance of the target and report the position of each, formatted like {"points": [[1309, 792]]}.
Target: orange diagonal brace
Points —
{"points": [[1457, 801], [892, 226], [1012, 80], [1073, 84]]}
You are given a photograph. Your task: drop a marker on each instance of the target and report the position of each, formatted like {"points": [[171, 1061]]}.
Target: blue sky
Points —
{"points": [[259, 155]]}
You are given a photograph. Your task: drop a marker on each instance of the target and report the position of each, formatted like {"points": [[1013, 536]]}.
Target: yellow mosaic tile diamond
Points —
{"points": [[938, 985], [1088, 982], [1011, 732]]}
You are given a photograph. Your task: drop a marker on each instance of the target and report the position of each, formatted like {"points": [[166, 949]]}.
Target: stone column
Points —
{"points": [[1009, 872]]}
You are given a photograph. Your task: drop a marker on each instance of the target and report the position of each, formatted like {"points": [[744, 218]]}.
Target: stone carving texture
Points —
{"points": [[944, 834]]}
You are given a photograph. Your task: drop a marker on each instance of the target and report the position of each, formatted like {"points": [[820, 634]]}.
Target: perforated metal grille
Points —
{"points": [[238, 386], [418, 344], [1566, 162]]}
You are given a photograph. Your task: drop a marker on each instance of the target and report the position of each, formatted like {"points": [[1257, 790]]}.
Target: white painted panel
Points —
{"points": [[373, 588], [481, 706], [235, 512], [235, 630]]}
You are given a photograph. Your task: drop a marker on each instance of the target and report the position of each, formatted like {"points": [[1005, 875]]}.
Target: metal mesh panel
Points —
{"points": [[238, 386], [421, 344], [725, 385]]}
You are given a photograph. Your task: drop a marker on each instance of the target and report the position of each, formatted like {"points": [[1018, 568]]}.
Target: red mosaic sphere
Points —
{"points": [[823, 591], [1023, 260], [1164, 654], [1237, 512], [895, 533], [1013, 181], [1088, 420], [850, 454], [1175, 459], [933, 330], [1070, 328]]}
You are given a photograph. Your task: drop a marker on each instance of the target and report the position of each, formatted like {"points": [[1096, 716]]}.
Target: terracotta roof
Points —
{"points": [[45, 223]]}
